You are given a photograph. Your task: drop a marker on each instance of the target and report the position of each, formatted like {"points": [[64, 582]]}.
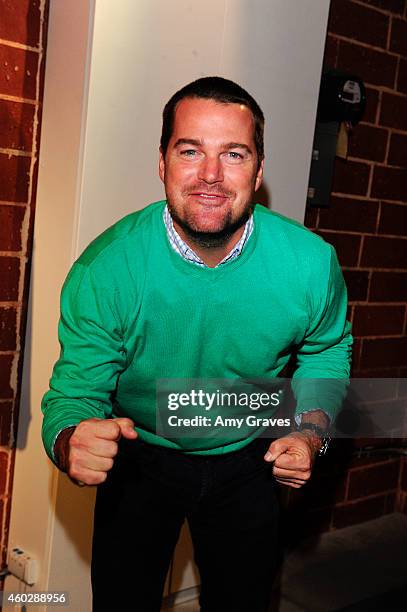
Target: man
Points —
{"points": [[205, 285]]}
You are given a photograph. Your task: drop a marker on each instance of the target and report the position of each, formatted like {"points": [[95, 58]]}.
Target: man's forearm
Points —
{"points": [[316, 417], [61, 448]]}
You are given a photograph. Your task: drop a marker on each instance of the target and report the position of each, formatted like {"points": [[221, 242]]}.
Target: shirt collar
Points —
{"points": [[182, 248]]}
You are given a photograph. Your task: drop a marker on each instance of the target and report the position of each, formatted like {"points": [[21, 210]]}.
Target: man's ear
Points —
{"points": [[259, 176], [161, 165]]}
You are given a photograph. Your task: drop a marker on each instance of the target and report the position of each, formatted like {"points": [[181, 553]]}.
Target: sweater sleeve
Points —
{"points": [[91, 358], [323, 358]]}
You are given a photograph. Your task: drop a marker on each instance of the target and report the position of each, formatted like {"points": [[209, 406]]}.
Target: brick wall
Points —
{"points": [[367, 224], [22, 43]]}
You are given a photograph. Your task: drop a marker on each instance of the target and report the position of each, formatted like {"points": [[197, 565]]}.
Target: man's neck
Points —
{"points": [[211, 256]]}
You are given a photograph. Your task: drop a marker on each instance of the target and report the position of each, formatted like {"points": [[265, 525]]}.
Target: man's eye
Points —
{"points": [[234, 155], [188, 153]]}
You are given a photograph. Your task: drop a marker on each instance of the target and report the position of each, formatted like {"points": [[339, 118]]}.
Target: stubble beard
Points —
{"points": [[210, 239]]}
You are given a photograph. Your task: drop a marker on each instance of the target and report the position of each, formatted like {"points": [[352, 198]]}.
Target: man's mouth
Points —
{"points": [[210, 197]]}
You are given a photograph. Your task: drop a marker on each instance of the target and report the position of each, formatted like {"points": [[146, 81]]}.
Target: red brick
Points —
{"points": [[398, 150], [389, 183], [18, 72], [16, 125], [373, 480], [8, 317], [394, 6], [346, 246], [11, 219], [402, 76], [20, 21], [388, 287], [398, 40], [358, 512], [394, 111], [330, 52], [378, 320], [372, 102], [384, 352], [4, 464], [349, 214], [14, 178], [6, 411], [357, 284], [393, 219], [350, 177], [6, 391], [368, 142], [373, 67], [358, 22], [9, 274], [379, 252]]}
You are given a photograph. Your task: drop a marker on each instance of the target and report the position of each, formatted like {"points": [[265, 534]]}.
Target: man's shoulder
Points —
{"points": [[122, 234], [290, 231]]}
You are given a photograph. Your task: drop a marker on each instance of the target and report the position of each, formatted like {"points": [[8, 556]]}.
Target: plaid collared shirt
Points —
{"points": [[181, 247]]}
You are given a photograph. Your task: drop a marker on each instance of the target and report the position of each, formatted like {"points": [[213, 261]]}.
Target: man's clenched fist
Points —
{"points": [[87, 452]]}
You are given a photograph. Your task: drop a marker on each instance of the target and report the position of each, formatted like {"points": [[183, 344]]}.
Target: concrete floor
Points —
{"points": [[362, 568]]}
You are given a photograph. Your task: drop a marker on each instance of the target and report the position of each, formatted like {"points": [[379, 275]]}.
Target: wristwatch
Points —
{"points": [[321, 433]]}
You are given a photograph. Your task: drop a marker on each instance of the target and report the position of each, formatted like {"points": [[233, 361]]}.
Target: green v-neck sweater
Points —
{"points": [[134, 311]]}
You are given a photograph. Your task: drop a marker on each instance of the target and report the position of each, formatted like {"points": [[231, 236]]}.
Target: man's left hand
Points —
{"points": [[293, 458]]}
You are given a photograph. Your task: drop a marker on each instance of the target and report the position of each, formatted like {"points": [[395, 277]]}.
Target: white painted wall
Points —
{"points": [[110, 68]]}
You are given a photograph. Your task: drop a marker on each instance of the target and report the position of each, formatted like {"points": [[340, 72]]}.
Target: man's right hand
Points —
{"points": [[90, 450]]}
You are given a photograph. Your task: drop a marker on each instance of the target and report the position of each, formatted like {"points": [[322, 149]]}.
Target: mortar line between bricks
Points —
{"points": [[356, 500], [363, 234], [380, 89], [396, 74], [375, 304], [353, 196], [379, 214], [17, 254], [369, 285], [13, 204], [361, 245], [372, 268], [389, 29], [386, 155], [358, 468], [360, 43], [371, 163], [15, 152], [370, 181], [16, 45], [17, 99], [379, 106], [381, 336], [377, 9]]}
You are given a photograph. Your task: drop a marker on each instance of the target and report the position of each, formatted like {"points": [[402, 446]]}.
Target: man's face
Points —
{"points": [[210, 170]]}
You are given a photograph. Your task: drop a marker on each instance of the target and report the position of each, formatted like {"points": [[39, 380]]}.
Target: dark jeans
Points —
{"points": [[231, 507]]}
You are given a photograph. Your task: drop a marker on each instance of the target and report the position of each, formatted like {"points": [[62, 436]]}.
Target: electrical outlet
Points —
{"points": [[22, 565]]}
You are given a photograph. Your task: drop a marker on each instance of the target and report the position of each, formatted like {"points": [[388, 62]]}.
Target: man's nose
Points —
{"points": [[211, 170]]}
